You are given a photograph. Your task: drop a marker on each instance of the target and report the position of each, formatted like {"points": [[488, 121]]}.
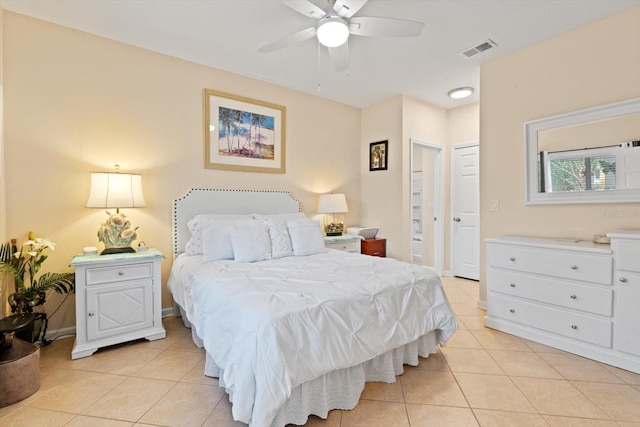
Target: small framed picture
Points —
{"points": [[378, 156]]}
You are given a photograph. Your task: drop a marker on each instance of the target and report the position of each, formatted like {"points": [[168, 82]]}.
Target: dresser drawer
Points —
{"points": [[118, 273], [352, 246], [568, 265], [570, 324], [590, 299]]}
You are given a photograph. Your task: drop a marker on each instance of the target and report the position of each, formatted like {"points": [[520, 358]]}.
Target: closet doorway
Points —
{"points": [[427, 194]]}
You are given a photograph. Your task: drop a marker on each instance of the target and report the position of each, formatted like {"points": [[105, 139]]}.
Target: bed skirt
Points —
{"points": [[339, 389]]}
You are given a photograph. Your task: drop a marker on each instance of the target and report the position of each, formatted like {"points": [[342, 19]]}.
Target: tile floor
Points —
{"points": [[482, 377]]}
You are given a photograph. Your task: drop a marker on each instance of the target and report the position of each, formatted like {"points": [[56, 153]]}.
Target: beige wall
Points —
{"points": [[387, 193], [4, 285], [593, 65], [381, 191], [76, 103]]}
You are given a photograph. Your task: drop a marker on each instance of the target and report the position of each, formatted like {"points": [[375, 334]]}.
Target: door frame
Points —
{"points": [[452, 189], [438, 253]]}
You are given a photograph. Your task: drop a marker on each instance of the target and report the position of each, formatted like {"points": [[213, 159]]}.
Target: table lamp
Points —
{"points": [[333, 204], [116, 190]]}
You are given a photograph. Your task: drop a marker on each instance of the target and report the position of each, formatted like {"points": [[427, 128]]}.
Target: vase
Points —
{"points": [[24, 303]]}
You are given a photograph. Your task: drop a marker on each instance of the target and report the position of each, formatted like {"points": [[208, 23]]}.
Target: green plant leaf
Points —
{"points": [[62, 283]]}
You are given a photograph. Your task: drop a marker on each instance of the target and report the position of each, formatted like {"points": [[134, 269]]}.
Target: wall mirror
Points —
{"points": [[586, 156]]}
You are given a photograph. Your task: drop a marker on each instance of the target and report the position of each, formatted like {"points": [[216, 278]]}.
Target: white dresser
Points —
{"points": [[578, 296], [118, 299]]}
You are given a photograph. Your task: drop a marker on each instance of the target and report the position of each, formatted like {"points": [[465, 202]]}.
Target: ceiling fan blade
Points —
{"points": [[285, 41], [384, 27], [340, 57], [305, 7], [347, 8]]}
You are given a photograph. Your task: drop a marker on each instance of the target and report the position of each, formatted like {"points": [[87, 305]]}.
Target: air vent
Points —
{"points": [[473, 51]]}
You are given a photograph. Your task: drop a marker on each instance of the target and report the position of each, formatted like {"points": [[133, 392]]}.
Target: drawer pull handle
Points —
{"points": [[512, 259], [511, 310], [513, 285], [574, 296], [574, 267], [623, 279], [91, 314], [574, 326], [120, 273]]}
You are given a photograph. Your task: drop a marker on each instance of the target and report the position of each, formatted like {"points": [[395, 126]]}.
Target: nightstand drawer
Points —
{"points": [[352, 246], [118, 273], [374, 247]]}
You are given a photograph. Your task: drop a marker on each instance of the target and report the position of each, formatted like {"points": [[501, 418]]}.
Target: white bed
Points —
{"points": [[299, 335]]}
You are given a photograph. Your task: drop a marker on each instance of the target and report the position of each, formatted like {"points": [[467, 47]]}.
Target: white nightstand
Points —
{"points": [[346, 242], [118, 299]]}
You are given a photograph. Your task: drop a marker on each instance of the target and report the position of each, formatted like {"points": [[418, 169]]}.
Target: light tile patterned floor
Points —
{"points": [[482, 378]]}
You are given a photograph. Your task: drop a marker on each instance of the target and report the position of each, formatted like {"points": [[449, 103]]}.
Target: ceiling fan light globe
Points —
{"points": [[333, 32]]}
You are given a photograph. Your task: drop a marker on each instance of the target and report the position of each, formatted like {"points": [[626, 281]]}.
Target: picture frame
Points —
{"points": [[243, 134], [378, 156]]}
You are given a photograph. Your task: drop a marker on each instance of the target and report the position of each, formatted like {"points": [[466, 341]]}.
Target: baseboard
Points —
{"points": [[59, 333], [447, 273], [169, 312], [481, 305]]}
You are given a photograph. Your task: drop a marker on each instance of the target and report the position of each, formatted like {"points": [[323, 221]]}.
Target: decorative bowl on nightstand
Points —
{"points": [[366, 232]]}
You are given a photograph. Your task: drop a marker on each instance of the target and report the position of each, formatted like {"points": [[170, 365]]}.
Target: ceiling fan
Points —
{"points": [[334, 26]]}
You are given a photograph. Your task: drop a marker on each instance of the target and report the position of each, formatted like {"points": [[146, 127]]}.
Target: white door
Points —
{"points": [[465, 204]]}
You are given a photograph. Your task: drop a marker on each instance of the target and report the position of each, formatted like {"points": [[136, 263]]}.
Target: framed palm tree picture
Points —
{"points": [[243, 134]]}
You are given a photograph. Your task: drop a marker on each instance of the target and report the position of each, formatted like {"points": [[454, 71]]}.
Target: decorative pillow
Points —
{"points": [[250, 242], [279, 233], [306, 237], [198, 223]]}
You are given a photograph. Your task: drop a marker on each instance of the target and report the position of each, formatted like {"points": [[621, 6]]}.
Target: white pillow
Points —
{"points": [[306, 237], [250, 242], [216, 241], [198, 223], [279, 233]]}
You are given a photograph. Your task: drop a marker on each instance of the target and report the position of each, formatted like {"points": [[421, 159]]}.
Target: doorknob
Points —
{"points": [[456, 219]]}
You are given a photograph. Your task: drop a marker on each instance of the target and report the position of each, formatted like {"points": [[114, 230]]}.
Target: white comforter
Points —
{"points": [[272, 325]]}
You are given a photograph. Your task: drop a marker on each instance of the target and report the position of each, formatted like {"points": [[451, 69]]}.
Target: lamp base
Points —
{"points": [[334, 229], [110, 251]]}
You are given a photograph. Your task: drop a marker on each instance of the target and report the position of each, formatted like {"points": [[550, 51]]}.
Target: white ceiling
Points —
{"points": [[226, 34]]}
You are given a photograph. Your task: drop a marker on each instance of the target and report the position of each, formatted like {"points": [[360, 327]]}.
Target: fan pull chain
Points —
{"points": [[319, 87]]}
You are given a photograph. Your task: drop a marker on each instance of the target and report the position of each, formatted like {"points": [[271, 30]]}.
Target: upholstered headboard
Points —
{"points": [[216, 201]]}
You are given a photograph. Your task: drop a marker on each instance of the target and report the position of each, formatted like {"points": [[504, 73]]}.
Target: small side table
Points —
{"points": [[20, 324], [19, 360], [117, 300], [374, 247]]}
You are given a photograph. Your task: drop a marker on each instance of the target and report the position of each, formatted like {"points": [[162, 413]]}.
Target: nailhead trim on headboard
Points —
{"points": [[176, 203]]}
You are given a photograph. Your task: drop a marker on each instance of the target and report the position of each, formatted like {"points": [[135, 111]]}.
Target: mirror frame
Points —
{"points": [[531, 129]]}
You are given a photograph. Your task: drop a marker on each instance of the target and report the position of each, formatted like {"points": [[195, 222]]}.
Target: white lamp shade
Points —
{"points": [[115, 190], [332, 203]]}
